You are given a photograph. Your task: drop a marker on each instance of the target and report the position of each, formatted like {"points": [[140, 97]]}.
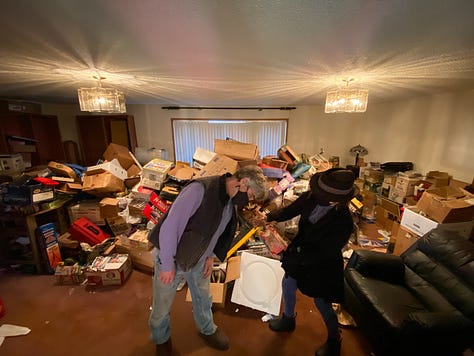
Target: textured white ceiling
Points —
{"points": [[235, 53]]}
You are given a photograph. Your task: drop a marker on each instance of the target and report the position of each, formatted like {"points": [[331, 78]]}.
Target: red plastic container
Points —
{"points": [[84, 230]]}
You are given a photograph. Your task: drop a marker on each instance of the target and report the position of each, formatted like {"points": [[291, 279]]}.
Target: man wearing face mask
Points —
{"points": [[200, 224]]}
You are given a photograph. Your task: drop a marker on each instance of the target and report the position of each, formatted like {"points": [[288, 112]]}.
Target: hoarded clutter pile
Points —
{"points": [[114, 204]]}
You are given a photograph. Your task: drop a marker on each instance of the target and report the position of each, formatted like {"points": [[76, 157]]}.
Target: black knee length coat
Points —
{"points": [[314, 257]]}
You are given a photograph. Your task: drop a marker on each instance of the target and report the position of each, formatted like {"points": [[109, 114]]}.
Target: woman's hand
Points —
{"points": [[208, 267], [258, 219]]}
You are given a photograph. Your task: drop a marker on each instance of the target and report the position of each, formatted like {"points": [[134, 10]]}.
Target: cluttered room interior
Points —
{"points": [[126, 130]]}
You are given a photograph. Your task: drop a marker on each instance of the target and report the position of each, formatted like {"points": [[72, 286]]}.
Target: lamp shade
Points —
{"points": [[101, 100], [346, 100]]}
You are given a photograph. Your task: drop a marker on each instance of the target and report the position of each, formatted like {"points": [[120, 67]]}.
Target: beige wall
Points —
{"points": [[435, 133]]}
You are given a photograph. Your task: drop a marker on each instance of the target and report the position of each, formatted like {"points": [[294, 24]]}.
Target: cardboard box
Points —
{"points": [[447, 204], [438, 179], [118, 225], [420, 225], [110, 270], [273, 161], [86, 209], [72, 188], [405, 186], [152, 213], [403, 239], [109, 208], [121, 153], [133, 171], [288, 155], [383, 218], [69, 274], [161, 204], [139, 240], [11, 163], [219, 165], [157, 169], [142, 260], [141, 192], [219, 289], [28, 193], [181, 172], [373, 175], [102, 184], [113, 167], [151, 184], [201, 157], [236, 150]]}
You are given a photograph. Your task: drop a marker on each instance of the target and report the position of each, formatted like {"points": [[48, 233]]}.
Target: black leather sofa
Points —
{"points": [[419, 303]]}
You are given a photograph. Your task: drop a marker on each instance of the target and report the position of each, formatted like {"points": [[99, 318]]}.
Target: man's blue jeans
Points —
{"points": [[163, 296]]}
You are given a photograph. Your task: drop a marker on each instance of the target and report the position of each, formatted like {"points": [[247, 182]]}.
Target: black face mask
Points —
{"points": [[241, 199]]}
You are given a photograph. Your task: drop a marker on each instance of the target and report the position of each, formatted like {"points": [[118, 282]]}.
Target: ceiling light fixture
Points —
{"points": [[100, 99], [346, 100]]}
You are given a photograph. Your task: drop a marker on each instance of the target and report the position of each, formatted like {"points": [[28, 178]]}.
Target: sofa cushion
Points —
{"points": [[450, 249], [392, 303], [431, 298], [446, 261]]}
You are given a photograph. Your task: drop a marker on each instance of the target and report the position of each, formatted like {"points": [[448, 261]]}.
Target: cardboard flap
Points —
{"points": [[233, 269], [446, 192], [392, 207]]}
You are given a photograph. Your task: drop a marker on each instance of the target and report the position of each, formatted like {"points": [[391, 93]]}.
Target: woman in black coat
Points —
{"points": [[313, 262]]}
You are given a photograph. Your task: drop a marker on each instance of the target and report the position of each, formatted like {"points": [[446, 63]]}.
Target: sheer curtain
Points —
{"points": [[188, 134]]}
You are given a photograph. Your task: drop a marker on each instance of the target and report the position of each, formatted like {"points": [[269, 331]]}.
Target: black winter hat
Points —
{"points": [[333, 185]]}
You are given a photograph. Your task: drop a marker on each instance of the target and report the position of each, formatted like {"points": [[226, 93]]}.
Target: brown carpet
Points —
{"points": [[72, 320]]}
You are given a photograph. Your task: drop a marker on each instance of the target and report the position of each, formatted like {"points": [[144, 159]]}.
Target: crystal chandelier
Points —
{"points": [[346, 100], [100, 99]]}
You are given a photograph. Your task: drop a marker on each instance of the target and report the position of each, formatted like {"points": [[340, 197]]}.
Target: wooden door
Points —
{"points": [[96, 132], [93, 138]]}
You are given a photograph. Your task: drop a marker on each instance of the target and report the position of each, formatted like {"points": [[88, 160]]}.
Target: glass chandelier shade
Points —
{"points": [[100, 99], [346, 100]]}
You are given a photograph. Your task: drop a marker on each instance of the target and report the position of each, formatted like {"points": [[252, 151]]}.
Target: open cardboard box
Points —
{"points": [[112, 166], [447, 204], [102, 184], [121, 153], [219, 290], [109, 270], [420, 225]]}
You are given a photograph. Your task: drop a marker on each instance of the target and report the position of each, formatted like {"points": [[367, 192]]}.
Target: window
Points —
{"points": [[189, 134]]}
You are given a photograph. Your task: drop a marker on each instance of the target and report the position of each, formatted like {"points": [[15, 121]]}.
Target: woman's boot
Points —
{"points": [[285, 323], [332, 347]]}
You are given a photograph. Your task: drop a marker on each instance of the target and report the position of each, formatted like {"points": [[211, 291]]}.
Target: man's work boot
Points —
{"points": [[218, 340]]}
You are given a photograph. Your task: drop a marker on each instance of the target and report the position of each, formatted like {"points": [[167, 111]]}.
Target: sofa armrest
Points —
{"points": [[378, 265]]}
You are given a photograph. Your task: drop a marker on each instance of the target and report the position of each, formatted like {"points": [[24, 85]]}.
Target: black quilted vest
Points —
{"points": [[202, 225]]}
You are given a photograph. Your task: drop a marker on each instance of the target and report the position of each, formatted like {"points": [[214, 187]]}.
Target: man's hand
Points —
{"points": [[208, 267], [167, 277]]}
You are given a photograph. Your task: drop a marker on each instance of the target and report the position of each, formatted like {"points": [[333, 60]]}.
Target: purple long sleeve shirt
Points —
{"points": [[185, 205]]}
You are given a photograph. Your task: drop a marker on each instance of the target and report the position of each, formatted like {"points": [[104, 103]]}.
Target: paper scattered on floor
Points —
{"points": [[12, 330]]}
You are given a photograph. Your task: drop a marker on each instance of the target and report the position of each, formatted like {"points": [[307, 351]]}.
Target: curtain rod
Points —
{"points": [[226, 108]]}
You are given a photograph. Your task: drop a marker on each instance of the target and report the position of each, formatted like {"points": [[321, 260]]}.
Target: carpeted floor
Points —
{"points": [[72, 320]]}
